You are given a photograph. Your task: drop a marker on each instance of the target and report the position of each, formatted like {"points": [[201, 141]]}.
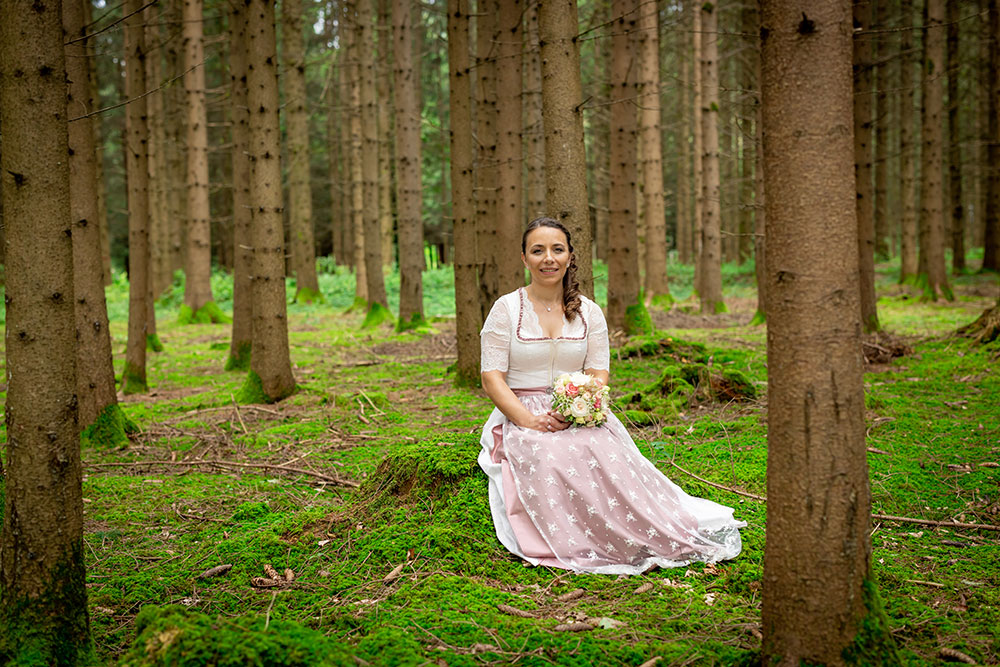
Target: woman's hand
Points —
{"points": [[550, 422]]}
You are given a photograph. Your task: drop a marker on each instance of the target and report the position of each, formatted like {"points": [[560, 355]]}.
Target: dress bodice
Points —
{"points": [[513, 342]]}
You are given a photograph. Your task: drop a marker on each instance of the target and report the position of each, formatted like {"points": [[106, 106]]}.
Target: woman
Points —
{"points": [[584, 499]]}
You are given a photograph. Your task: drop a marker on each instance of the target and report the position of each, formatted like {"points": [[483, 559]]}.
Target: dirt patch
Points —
{"points": [[686, 316]]}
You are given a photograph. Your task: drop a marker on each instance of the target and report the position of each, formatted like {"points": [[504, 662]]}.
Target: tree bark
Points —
{"points": [[406, 77], [488, 244], [953, 66], [198, 259], [353, 47], [991, 236], [159, 237], [760, 194], [682, 232], [933, 274], [698, 147], [881, 119], [818, 492], [509, 216], [43, 599], [865, 201], [534, 131], [657, 287], [467, 311], [300, 213], [711, 242], [384, 95], [908, 151], [241, 338], [565, 156], [270, 378], [176, 132]]}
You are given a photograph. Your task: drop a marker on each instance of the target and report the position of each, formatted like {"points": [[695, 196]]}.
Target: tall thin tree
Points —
{"points": [[488, 246], [710, 289], [909, 149], [953, 66], [509, 219], [865, 200], [991, 232]]}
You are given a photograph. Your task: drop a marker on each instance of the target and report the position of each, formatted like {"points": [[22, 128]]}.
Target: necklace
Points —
{"points": [[547, 307]]}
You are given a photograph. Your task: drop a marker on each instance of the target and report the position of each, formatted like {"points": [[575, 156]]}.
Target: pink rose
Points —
{"points": [[572, 390]]}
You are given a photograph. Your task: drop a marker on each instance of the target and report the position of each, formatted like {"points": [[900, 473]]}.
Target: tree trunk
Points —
{"points": [[43, 598], [159, 237], [933, 274], [657, 287], [102, 206], [698, 147], [565, 157], [953, 66], [488, 245], [353, 46], [509, 216], [711, 242], [300, 212], [817, 476], [682, 230], [534, 131], [467, 311], [335, 120], [95, 373], [991, 237], [600, 143], [270, 378], [908, 151], [760, 194], [198, 262], [864, 202], [384, 95], [378, 303], [175, 117], [241, 339], [406, 77], [881, 129], [137, 177]]}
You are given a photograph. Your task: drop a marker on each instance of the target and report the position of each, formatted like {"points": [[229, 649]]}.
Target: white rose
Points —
{"points": [[579, 379], [579, 407]]}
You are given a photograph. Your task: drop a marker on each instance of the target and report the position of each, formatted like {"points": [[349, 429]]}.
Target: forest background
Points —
{"points": [[694, 212]]}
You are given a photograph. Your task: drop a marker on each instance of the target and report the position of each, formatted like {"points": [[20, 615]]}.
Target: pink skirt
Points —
{"points": [[587, 500]]}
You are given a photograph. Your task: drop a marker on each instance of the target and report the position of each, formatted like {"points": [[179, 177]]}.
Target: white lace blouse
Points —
{"points": [[513, 342]]}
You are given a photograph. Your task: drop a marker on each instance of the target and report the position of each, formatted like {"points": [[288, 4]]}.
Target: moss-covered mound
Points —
{"points": [[175, 635], [656, 346], [683, 385]]}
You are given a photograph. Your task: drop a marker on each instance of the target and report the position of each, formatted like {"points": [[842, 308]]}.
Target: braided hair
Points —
{"points": [[571, 288]]}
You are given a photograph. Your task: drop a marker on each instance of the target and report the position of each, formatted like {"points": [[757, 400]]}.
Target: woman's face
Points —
{"points": [[546, 254]]}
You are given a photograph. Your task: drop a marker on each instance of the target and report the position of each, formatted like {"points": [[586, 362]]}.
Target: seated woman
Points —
{"points": [[583, 499]]}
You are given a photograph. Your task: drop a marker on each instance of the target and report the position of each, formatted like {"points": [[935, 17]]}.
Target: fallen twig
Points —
{"points": [[235, 464], [719, 486], [238, 415], [953, 655], [215, 571], [932, 584]]}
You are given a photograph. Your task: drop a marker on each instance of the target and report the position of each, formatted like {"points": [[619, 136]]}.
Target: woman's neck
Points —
{"points": [[549, 295]]}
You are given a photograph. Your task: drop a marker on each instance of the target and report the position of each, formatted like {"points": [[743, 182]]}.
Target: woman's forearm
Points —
{"points": [[603, 376]]}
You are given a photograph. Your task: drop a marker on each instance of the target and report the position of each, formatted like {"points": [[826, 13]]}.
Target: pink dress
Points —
{"points": [[583, 499]]}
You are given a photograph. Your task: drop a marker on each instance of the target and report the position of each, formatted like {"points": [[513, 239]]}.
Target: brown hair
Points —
{"points": [[571, 288]]}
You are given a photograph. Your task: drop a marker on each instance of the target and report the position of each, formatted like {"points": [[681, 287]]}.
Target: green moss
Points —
{"points": [[252, 391], [53, 628], [639, 417], [637, 320], [664, 300], [357, 305], [153, 343], [240, 360], [110, 429], [416, 321], [759, 318], [134, 380], [250, 511], [719, 307], [309, 295], [174, 635], [873, 645], [377, 314], [207, 314], [648, 346]]}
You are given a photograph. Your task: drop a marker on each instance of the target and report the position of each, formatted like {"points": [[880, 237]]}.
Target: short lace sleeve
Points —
{"points": [[598, 348], [495, 339]]}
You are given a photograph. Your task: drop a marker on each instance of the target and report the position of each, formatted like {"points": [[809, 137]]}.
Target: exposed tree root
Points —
{"points": [[984, 330]]}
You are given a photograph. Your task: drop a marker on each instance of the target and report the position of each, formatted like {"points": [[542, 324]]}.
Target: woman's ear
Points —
{"points": [[524, 260]]}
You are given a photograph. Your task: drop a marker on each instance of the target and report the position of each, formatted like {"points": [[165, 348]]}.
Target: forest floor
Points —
{"points": [[406, 570]]}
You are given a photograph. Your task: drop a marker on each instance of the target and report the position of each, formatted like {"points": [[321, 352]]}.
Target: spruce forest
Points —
{"points": [[249, 247]]}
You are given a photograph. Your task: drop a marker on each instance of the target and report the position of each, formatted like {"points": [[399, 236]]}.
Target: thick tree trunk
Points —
{"points": [[565, 156], [241, 339], [95, 373], [488, 243], [865, 201], [467, 311], [933, 274], [654, 213], [300, 214], [953, 66], [378, 303], [991, 236], [509, 216], [137, 176], [43, 598], [406, 77], [534, 130], [711, 242], [198, 260], [270, 378], [909, 153], [817, 476]]}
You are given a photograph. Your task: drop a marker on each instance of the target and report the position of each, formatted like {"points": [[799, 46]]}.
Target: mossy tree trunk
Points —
{"points": [[270, 377], [562, 111], [488, 244], [865, 201], [241, 337], [933, 276], [509, 217], [43, 599], [817, 476], [408, 183], [198, 258], [95, 371], [467, 311], [137, 170], [653, 209], [908, 150], [534, 130], [710, 289], [300, 214]]}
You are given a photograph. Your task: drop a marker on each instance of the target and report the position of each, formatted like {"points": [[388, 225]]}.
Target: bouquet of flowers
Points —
{"points": [[581, 398]]}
